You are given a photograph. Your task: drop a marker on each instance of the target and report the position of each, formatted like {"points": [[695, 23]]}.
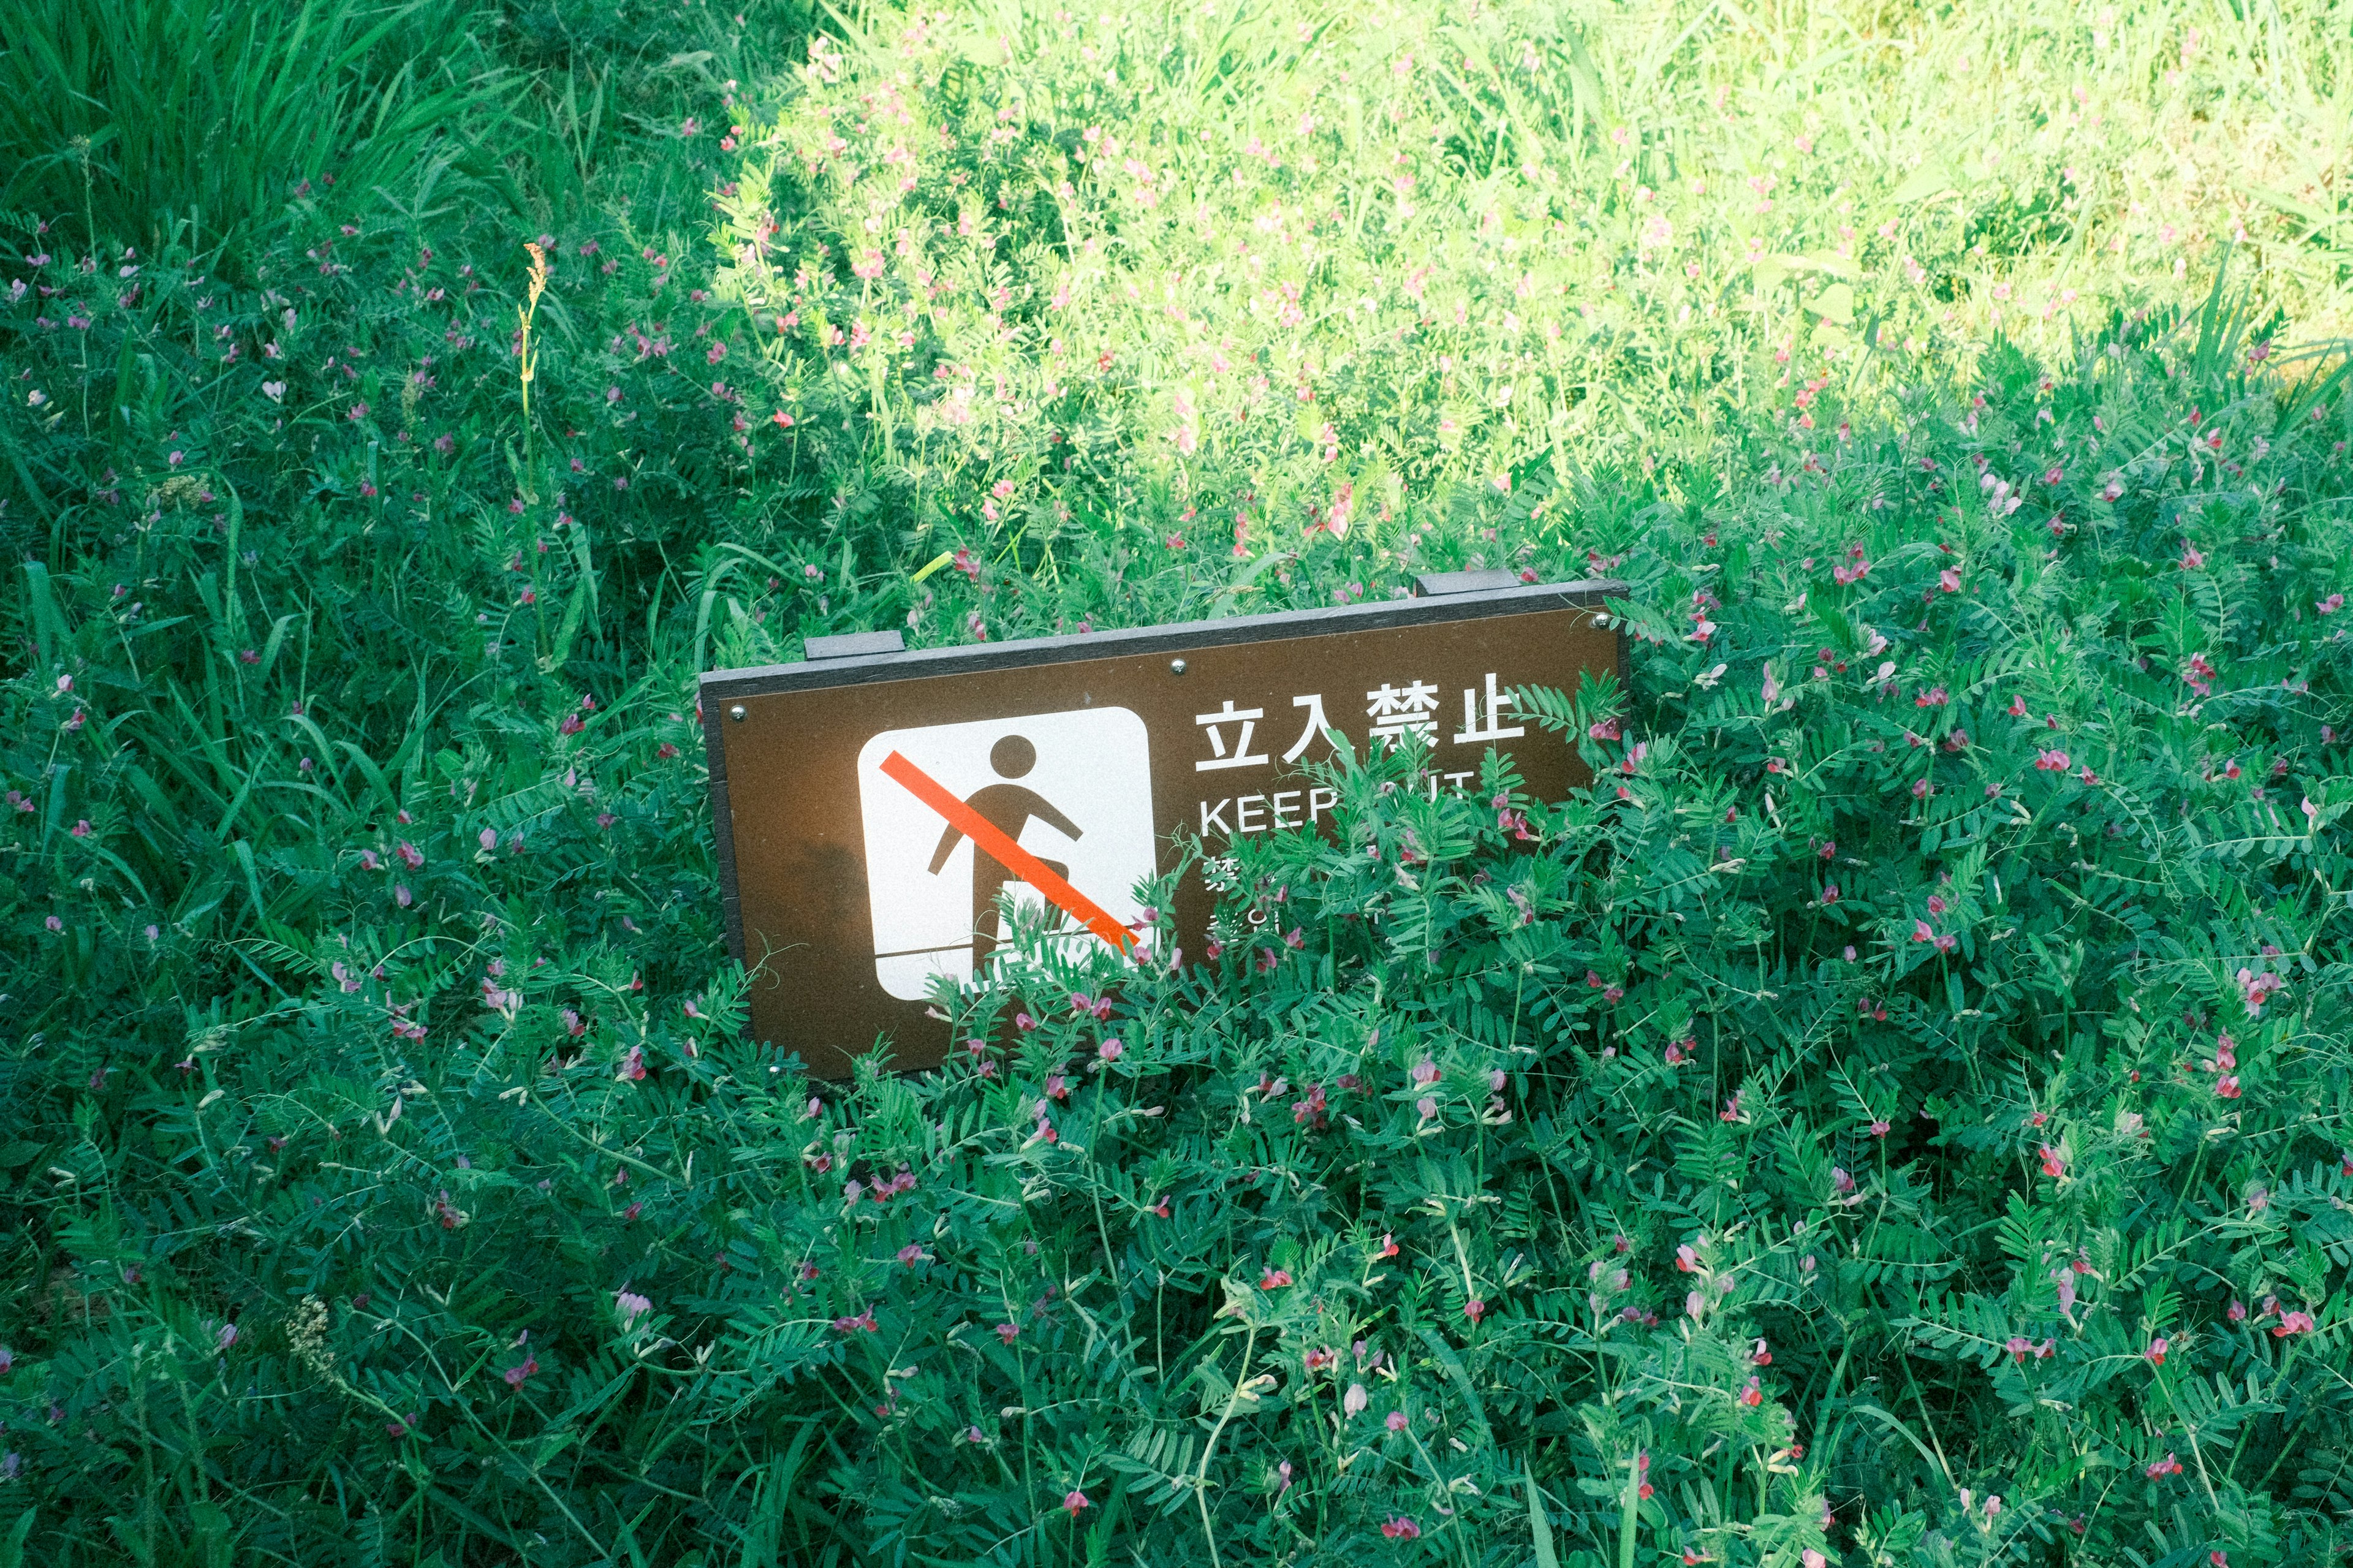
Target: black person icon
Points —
{"points": [[1007, 807]]}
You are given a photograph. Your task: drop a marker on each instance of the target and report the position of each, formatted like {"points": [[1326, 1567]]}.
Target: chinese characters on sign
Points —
{"points": [[1394, 711], [875, 812]]}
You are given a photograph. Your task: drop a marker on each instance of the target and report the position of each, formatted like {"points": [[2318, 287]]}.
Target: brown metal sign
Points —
{"points": [[871, 808]]}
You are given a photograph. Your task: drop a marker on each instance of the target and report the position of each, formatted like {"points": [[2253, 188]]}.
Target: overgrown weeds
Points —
{"points": [[1896, 1115]]}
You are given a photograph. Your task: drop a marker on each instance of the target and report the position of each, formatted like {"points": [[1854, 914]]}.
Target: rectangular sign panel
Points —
{"points": [[870, 809]]}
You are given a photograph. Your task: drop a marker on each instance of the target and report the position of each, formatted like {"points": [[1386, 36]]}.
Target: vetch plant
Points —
{"points": [[1622, 1177]]}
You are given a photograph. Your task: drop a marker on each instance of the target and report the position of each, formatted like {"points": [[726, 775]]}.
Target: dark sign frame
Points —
{"points": [[722, 691]]}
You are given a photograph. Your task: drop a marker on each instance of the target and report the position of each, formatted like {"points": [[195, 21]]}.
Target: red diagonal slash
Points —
{"points": [[987, 836]]}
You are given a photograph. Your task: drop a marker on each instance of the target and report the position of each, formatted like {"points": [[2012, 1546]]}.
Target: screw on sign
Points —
{"points": [[877, 811]]}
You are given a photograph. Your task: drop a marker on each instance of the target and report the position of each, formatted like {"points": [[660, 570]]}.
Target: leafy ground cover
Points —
{"points": [[1896, 1115]]}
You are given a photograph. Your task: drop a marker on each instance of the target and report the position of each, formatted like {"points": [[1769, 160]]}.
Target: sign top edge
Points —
{"points": [[917, 662]]}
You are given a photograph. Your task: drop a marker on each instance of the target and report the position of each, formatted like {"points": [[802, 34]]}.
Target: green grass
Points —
{"points": [[1482, 248], [356, 835], [199, 119]]}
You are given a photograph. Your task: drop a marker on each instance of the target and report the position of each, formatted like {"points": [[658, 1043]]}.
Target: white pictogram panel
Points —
{"points": [[1073, 789]]}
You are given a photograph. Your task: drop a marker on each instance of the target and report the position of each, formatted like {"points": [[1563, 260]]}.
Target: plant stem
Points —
{"points": [[1201, 1474]]}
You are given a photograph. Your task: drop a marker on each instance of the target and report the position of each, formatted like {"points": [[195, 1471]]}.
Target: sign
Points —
{"points": [[871, 808]]}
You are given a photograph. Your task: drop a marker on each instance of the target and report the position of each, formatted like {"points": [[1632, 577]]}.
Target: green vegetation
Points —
{"points": [[1897, 1115]]}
